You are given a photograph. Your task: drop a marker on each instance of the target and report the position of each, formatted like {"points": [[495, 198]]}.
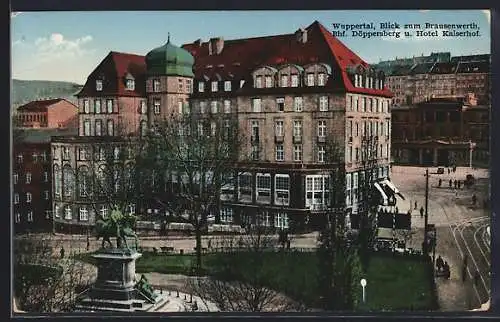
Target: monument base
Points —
{"points": [[115, 288]]}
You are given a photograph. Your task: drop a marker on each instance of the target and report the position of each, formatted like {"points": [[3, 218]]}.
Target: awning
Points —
{"points": [[391, 186], [382, 192]]}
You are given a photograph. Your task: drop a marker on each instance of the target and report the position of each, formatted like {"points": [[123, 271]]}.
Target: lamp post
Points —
{"points": [[363, 285]]}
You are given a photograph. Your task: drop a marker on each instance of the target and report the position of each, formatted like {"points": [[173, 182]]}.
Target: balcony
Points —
{"points": [[279, 138], [321, 139], [297, 139]]}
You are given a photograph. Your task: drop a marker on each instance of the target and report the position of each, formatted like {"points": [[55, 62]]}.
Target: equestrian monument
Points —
{"points": [[116, 287]]}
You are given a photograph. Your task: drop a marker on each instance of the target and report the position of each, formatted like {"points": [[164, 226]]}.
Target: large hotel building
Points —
{"points": [[287, 92]]}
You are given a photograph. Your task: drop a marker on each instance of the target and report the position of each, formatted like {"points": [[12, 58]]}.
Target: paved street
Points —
{"points": [[461, 231]]}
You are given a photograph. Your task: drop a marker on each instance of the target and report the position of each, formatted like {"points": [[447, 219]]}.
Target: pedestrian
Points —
{"points": [[88, 245], [474, 199], [476, 277], [62, 252], [439, 263], [450, 182], [464, 274], [456, 194], [415, 205], [459, 184], [439, 183], [421, 212], [446, 270], [455, 184], [209, 246], [448, 170]]}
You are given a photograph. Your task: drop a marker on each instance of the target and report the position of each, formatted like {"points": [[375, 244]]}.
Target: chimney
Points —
{"points": [[215, 46], [198, 42], [301, 35]]}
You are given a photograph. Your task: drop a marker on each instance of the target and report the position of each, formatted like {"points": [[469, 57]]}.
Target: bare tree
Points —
{"points": [[43, 281], [239, 283], [190, 160]]}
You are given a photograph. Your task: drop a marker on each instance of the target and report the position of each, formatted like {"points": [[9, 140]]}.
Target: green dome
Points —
{"points": [[170, 60]]}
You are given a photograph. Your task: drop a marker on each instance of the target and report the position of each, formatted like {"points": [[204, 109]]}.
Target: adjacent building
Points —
{"points": [[50, 113], [288, 93]]}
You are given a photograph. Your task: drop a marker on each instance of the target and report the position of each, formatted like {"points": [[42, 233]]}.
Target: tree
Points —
{"points": [[190, 158], [240, 282], [337, 255], [44, 282]]}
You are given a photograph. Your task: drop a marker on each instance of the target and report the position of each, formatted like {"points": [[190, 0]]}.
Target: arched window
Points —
{"points": [[57, 180], [68, 181], [83, 181]]}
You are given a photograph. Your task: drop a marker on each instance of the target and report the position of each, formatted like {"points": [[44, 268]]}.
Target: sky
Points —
{"points": [[67, 46]]}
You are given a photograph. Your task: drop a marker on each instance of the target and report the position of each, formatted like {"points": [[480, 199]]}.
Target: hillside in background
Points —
{"points": [[24, 91]]}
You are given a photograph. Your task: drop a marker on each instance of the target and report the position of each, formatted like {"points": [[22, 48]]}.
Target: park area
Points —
{"points": [[395, 282]]}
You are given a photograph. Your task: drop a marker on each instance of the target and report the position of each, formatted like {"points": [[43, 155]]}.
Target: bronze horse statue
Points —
{"points": [[116, 225]]}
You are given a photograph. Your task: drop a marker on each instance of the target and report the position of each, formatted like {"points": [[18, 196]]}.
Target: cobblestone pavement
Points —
{"points": [[461, 231]]}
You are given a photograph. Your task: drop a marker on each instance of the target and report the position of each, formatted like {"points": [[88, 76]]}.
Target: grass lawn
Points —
{"points": [[394, 283]]}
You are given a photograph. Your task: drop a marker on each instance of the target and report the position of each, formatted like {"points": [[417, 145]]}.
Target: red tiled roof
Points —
{"points": [[240, 57], [41, 105], [113, 70]]}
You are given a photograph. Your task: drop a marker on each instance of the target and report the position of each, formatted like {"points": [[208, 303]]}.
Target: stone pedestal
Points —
{"points": [[114, 289]]}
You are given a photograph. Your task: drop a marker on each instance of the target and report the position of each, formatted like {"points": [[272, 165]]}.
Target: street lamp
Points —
{"points": [[363, 285]]}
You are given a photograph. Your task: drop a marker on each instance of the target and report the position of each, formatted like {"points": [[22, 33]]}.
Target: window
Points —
{"points": [[97, 105], [356, 156], [255, 152], [103, 211], [15, 178], [35, 157], [18, 218], [57, 180], [46, 194], [116, 153], [180, 107], [297, 128], [56, 211], [278, 127], [156, 85], [263, 219], [98, 127], [321, 79], [280, 101], [355, 101], [110, 128], [226, 215], [258, 82], [201, 87], [295, 80], [281, 220], [269, 81], [363, 104], [317, 191], [130, 84], [227, 106], [28, 177], [354, 197], [84, 214], [86, 106], [282, 189], [214, 86], [44, 156], [86, 128], [321, 128], [245, 187], [213, 107], [213, 128], [284, 80], [227, 86], [280, 152], [30, 216], [348, 195], [20, 158], [323, 103], [109, 105], [16, 198], [203, 106], [321, 153], [310, 79], [98, 85], [156, 105], [242, 82], [131, 209], [181, 85], [298, 103], [200, 128], [349, 153], [67, 213], [256, 105], [45, 176], [297, 152], [68, 181], [144, 108], [263, 188]]}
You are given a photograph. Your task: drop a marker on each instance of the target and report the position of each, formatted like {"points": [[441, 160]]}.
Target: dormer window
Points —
{"points": [[214, 86], [310, 79], [284, 80], [295, 80], [242, 82], [130, 84], [269, 82], [227, 86], [98, 85], [258, 82], [201, 87], [321, 79]]}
